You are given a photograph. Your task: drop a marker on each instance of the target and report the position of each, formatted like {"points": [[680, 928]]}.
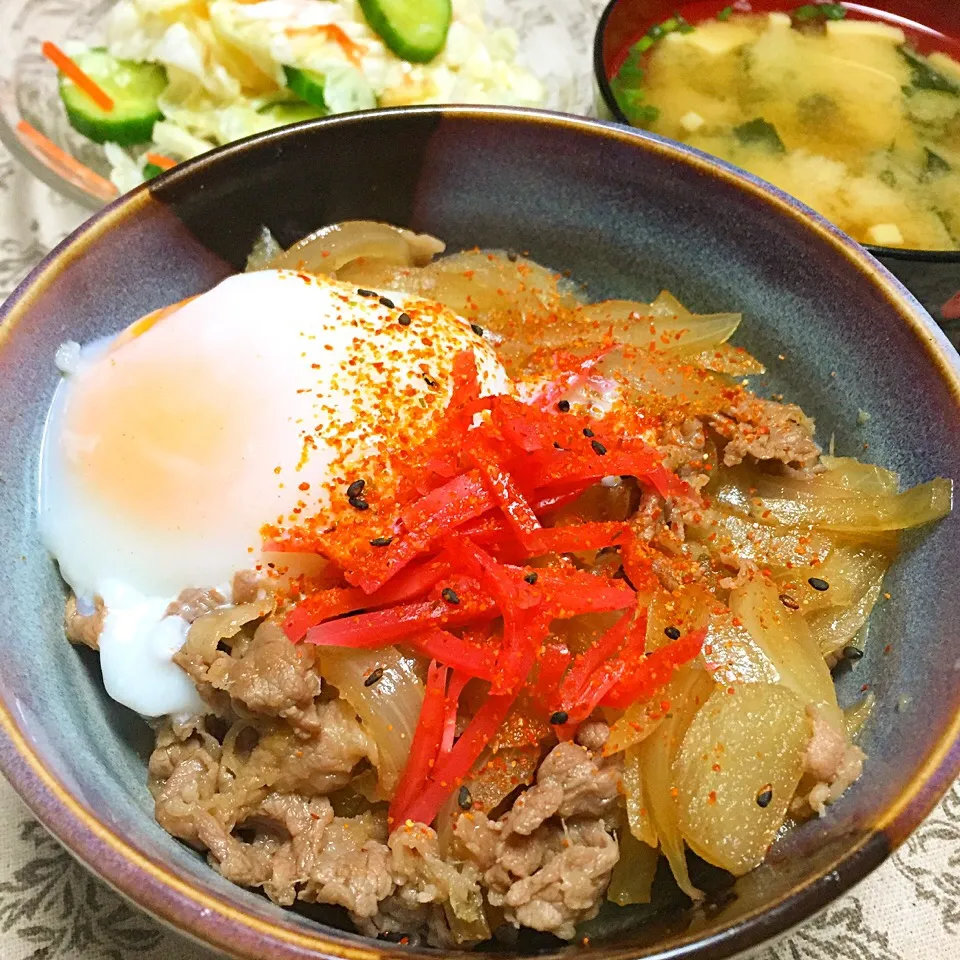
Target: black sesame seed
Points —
{"points": [[464, 799], [356, 488], [765, 796], [672, 632], [367, 293], [587, 432], [563, 406], [430, 382], [852, 653], [512, 256], [404, 320], [376, 675], [818, 584], [381, 541], [598, 448], [358, 503], [387, 302], [559, 717], [557, 445], [449, 595], [531, 578], [789, 602], [477, 329]]}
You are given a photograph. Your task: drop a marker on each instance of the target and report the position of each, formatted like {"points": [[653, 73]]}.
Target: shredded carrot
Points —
{"points": [[331, 31], [159, 160], [69, 68], [64, 164]]}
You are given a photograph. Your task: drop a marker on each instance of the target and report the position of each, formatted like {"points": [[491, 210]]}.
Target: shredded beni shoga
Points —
{"points": [[467, 550]]}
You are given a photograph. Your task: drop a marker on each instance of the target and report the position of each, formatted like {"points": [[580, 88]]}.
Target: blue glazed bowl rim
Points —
{"points": [[188, 909]]}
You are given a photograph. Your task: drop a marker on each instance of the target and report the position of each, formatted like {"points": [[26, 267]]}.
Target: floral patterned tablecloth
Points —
{"points": [[52, 909]]}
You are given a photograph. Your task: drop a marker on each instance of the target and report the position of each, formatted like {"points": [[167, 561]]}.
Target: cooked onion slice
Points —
{"points": [[686, 609], [785, 639], [737, 538], [389, 708], [733, 656], [224, 623], [647, 327], [632, 877], [639, 819], [743, 743], [859, 512], [487, 287], [733, 361], [848, 474], [330, 248], [265, 251], [656, 759], [855, 716]]}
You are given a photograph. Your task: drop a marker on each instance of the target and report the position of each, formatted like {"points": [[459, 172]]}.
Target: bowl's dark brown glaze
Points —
{"points": [[932, 275], [624, 211]]}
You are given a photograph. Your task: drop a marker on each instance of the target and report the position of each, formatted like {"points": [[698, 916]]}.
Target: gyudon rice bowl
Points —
{"points": [[458, 601]]}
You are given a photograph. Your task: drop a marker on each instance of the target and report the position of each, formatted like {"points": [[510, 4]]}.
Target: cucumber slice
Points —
{"points": [[414, 30], [341, 89], [307, 85], [134, 89], [283, 113]]}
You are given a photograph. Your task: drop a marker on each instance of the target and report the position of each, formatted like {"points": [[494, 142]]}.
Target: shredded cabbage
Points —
{"points": [[225, 59]]}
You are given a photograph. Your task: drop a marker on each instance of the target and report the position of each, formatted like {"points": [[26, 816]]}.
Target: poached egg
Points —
{"points": [[169, 448]]}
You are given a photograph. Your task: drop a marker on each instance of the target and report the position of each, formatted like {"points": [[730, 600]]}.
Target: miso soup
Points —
{"points": [[842, 113]]}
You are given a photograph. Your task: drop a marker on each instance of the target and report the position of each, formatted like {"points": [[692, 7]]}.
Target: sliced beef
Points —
{"points": [[766, 430], [685, 450], [547, 862], [285, 842], [300, 850], [84, 628], [257, 802], [661, 524], [831, 765], [436, 901], [826, 749], [568, 884], [184, 771], [593, 735], [476, 839], [570, 783], [413, 924], [246, 586], [318, 765], [352, 869], [192, 604], [271, 676], [260, 672]]}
